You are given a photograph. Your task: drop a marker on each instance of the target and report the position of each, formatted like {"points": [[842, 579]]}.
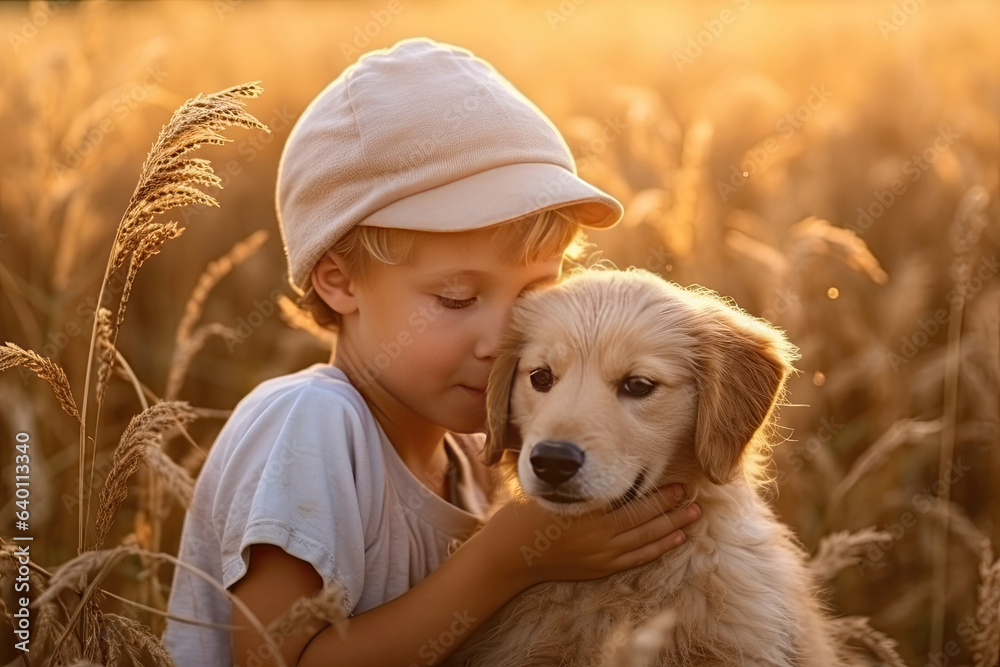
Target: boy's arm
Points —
{"points": [[444, 608], [459, 595], [455, 598], [274, 581]]}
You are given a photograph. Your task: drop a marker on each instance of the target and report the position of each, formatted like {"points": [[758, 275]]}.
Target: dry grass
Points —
{"points": [[189, 341], [12, 356], [857, 629], [893, 424], [986, 641], [168, 180], [840, 549], [144, 432]]}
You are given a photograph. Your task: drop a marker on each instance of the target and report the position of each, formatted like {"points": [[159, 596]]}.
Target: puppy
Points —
{"points": [[611, 384]]}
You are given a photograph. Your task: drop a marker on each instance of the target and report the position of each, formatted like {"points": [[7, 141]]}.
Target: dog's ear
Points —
{"points": [[741, 376], [500, 433]]}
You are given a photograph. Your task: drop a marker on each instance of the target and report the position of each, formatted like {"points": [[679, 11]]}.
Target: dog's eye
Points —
{"points": [[541, 379], [638, 386]]}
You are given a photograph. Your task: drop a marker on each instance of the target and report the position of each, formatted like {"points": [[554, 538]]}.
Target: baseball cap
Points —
{"points": [[422, 136]]}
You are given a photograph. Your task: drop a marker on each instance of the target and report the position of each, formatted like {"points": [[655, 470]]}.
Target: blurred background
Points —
{"points": [[832, 167]]}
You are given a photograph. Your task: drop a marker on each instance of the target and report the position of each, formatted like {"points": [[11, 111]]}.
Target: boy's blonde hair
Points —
{"points": [[547, 234]]}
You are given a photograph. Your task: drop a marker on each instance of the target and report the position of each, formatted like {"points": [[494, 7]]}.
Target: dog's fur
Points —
{"points": [[738, 587]]}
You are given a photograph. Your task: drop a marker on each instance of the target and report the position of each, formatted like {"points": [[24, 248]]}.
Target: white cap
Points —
{"points": [[422, 136]]}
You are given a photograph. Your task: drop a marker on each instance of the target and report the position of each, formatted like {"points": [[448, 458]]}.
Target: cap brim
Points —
{"points": [[501, 194]]}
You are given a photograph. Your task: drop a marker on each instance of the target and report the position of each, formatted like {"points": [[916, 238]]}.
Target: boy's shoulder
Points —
{"points": [[319, 381], [314, 406]]}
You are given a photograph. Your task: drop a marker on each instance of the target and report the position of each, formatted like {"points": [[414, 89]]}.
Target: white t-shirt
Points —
{"points": [[302, 464]]}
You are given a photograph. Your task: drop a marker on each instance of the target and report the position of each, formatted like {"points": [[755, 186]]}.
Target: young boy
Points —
{"points": [[418, 196]]}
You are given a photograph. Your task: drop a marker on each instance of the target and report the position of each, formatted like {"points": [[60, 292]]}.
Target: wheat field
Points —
{"points": [[833, 167]]}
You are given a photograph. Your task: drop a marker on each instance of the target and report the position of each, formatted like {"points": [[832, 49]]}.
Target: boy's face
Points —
{"points": [[427, 331]]}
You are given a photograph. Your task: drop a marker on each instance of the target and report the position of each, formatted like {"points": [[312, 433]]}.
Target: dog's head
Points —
{"points": [[614, 382]]}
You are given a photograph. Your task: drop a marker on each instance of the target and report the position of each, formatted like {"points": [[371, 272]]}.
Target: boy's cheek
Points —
{"points": [[417, 323]]}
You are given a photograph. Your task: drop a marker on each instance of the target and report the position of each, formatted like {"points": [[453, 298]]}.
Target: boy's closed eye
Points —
{"points": [[459, 304], [455, 304]]}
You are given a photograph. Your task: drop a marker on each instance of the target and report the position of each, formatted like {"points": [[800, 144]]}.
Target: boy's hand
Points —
{"points": [[532, 545]]}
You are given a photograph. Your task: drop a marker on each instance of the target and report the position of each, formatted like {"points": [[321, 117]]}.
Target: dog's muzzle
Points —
{"points": [[555, 461]]}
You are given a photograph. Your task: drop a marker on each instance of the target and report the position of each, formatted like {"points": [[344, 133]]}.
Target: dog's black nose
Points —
{"points": [[555, 461]]}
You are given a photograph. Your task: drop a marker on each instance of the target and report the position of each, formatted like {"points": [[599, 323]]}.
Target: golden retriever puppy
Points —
{"points": [[609, 385]]}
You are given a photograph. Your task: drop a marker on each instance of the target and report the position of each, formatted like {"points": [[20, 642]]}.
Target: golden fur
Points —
{"points": [[737, 592]]}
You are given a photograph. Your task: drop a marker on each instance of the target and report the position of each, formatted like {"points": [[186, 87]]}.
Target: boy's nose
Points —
{"points": [[488, 344]]}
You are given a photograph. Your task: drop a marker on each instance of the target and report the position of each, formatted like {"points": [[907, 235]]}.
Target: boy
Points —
{"points": [[418, 196]]}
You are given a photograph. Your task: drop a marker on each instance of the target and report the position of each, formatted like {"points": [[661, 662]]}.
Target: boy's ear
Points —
{"points": [[333, 285]]}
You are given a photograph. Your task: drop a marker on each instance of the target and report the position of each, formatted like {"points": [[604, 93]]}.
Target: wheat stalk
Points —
{"points": [[131, 643], [966, 228], [187, 344], [678, 228], [838, 550], [816, 236], [90, 569], [106, 351], [74, 573], [858, 629], [11, 355], [178, 481], [88, 609], [900, 433], [167, 180], [958, 524], [326, 605], [144, 430], [986, 642], [295, 318], [186, 350]]}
